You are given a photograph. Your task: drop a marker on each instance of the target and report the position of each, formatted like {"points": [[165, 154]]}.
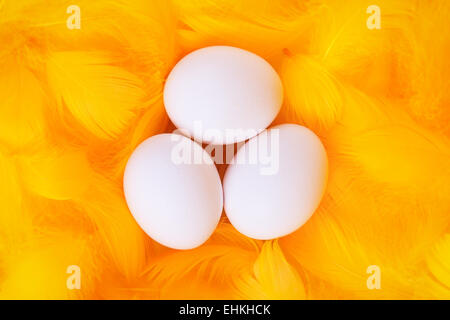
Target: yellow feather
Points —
{"points": [[15, 220], [56, 174], [302, 79], [40, 270], [249, 25], [438, 262], [220, 261], [381, 141], [103, 97], [122, 239], [272, 277], [336, 254], [429, 65], [21, 105], [348, 48]]}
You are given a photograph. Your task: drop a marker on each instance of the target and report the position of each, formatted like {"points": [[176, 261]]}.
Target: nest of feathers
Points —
{"points": [[74, 104]]}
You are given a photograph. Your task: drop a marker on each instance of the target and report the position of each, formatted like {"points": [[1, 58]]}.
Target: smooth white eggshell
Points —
{"points": [[214, 92], [176, 204], [265, 201]]}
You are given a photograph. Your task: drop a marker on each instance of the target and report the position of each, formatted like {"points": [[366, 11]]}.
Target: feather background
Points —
{"points": [[75, 103]]}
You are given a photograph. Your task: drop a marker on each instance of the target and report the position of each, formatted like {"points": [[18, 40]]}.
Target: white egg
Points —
{"points": [[276, 182], [222, 94], [176, 201]]}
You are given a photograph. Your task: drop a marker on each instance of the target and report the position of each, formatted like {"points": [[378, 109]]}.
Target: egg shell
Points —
{"points": [[222, 94], [178, 204], [270, 198]]}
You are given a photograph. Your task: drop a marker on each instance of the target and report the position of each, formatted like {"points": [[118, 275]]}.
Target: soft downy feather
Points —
{"points": [[272, 277], [41, 270], [221, 261], [438, 264], [22, 101], [302, 78], [343, 51], [429, 65], [250, 25], [122, 239], [59, 174], [103, 97], [368, 59], [15, 221]]}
